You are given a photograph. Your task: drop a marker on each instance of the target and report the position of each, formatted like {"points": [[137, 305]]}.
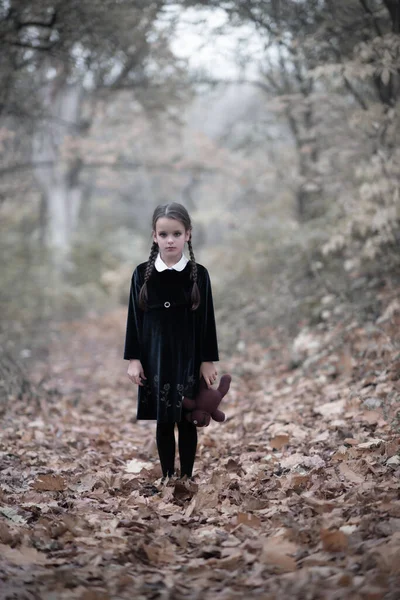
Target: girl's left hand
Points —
{"points": [[209, 372]]}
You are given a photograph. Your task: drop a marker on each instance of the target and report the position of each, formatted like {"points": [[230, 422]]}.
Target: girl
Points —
{"points": [[171, 338]]}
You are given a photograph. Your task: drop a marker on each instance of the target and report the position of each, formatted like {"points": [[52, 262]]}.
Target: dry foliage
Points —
{"points": [[296, 495]]}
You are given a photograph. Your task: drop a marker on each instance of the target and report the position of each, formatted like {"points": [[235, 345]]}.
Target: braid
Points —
{"points": [[193, 274], [148, 272]]}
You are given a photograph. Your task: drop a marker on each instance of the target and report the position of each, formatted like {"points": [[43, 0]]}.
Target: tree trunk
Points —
{"points": [[62, 194], [301, 121]]}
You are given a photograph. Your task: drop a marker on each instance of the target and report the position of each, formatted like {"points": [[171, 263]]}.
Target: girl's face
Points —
{"points": [[170, 235]]}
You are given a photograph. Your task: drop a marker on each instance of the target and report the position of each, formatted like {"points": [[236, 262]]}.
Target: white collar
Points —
{"points": [[179, 266]]}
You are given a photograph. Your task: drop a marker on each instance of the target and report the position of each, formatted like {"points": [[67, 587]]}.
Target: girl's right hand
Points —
{"points": [[135, 372]]}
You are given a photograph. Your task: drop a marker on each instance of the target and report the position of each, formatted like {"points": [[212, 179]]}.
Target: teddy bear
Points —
{"points": [[205, 404]]}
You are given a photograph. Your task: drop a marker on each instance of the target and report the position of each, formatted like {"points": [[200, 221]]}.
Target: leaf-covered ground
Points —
{"points": [[296, 495]]}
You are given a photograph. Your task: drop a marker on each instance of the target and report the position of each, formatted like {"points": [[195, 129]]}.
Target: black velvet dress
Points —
{"points": [[170, 339]]}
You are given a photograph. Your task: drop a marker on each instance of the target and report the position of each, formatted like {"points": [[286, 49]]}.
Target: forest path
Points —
{"points": [[296, 495]]}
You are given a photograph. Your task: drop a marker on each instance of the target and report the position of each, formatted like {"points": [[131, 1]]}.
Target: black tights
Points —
{"points": [[187, 444]]}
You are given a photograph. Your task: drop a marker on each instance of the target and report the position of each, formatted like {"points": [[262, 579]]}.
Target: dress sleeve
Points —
{"points": [[134, 320], [208, 333]]}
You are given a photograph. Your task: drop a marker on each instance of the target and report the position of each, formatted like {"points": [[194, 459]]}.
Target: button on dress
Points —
{"points": [[170, 339]]}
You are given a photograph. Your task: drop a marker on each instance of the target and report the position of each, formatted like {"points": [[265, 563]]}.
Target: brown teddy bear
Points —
{"points": [[205, 405]]}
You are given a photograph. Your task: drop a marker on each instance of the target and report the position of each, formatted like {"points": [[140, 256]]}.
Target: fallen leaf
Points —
{"points": [[248, 519], [292, 461], [322, 437], [22, 556], [392, 447], [334, 540], [350, 441], [371, 443], [135, 465], [296, 459], [230, 562], [371, 416], [320, 506], [158, 554], [330, 409], [348, 529], [185, 490], [349, 474], [12, 514], [233, 466], [276, 552], [279, 441], [345, 362], [49, 483], [298, 482]]}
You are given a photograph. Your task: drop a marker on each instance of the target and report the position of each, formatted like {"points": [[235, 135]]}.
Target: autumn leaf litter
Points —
{"points": [[295, 495]]}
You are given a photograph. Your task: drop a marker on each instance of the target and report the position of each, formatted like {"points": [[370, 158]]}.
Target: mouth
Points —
{"points": [[170, 248]]}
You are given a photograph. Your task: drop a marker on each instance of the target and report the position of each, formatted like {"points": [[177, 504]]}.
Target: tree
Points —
{"points": [[56, 55], [302, 37]]}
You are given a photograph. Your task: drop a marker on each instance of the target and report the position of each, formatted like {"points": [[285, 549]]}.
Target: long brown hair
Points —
{"points": [[174, 210]]}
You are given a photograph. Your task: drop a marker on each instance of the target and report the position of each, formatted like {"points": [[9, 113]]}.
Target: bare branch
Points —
{"points": [[371, 14], [45, 48], [354, 92], [126, 165]]}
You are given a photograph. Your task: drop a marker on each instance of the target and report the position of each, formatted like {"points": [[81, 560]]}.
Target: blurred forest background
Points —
{"points": [[285, 150]]}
